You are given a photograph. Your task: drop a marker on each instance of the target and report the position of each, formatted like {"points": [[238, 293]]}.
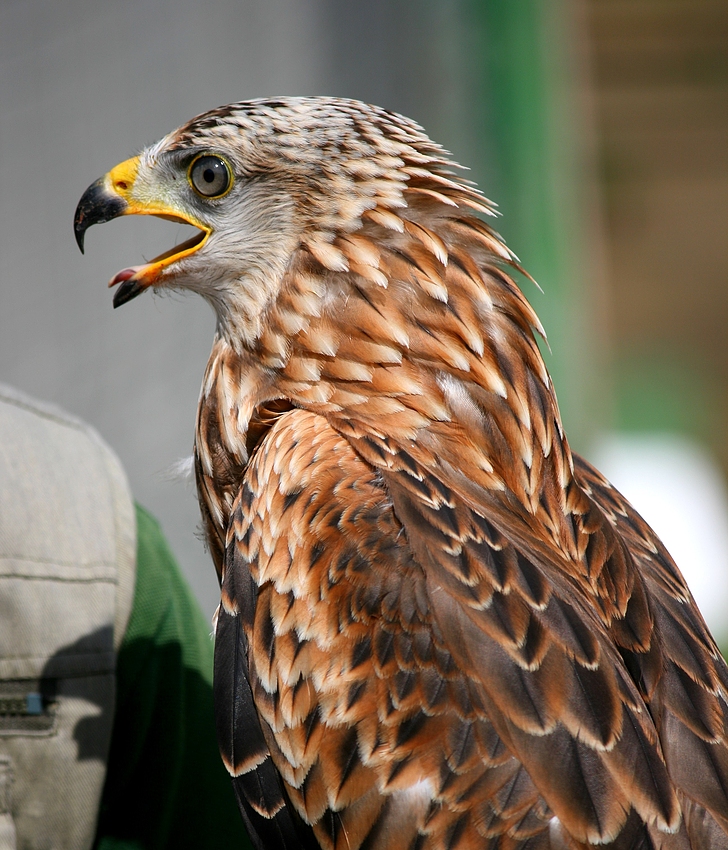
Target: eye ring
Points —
{"points": [[210, 176]]}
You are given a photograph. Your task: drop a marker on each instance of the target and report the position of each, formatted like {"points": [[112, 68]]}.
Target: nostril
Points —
{"points": [[122, 185]]}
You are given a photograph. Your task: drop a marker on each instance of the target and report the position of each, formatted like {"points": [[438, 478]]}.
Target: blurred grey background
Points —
{"points": [[600, 127]]}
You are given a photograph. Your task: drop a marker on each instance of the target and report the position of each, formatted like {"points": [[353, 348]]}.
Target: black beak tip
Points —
{"points": [[96, 206], [79, 233], [129, 289]]}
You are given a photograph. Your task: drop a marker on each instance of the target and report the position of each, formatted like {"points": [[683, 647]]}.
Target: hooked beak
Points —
{"points": [[112, 196], [96, 206]]}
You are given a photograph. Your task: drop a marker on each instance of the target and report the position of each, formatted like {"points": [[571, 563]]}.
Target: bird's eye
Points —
{"points": [[210, 176]]}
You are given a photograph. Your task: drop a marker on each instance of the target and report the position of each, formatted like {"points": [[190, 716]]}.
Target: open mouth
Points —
{"points": [[134, 279], [110, 197]]}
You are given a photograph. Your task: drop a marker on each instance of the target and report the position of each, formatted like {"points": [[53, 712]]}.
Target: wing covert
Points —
{"points": [[418, 675]]}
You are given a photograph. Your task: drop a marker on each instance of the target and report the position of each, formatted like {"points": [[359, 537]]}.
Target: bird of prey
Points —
{"points": [[439, 628]]}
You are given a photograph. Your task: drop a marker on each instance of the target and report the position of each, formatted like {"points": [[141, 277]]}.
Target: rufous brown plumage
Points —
{"points": [[438, 628]]}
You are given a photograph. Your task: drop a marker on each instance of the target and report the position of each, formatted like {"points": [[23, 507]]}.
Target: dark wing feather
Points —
{"points": [[271, 822], [659, 667], [690, 698], [553, 699]]}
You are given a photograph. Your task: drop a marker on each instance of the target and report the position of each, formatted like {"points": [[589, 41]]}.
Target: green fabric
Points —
{"points": [[166, 785]]}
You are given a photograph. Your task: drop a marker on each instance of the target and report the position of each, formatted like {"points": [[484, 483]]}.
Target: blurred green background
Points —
{"points": [[610, 128]]}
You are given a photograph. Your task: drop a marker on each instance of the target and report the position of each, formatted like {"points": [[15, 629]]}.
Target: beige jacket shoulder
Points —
{"points": [[67, 561]]}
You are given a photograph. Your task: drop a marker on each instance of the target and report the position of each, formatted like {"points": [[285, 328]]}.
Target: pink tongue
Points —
{"points": [[125, 274]]}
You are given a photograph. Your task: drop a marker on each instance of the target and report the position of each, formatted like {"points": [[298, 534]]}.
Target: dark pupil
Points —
{"points": [[210, 176]]}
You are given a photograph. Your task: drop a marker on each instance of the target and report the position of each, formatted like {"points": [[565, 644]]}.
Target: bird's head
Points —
{"points": [[259, 180], [348, 272]]}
